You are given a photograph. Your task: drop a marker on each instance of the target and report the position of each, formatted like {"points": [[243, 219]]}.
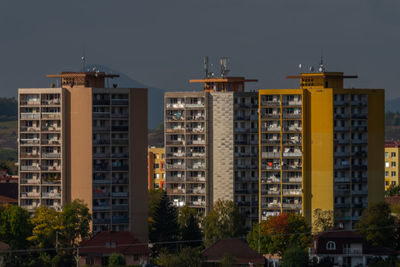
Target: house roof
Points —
{"points": [[339, 233], [394, 200], [108, 242], [4, 246], [9, 190], [8, 200], [234, 247]]}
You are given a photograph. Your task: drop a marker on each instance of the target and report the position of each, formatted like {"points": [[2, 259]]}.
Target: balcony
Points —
{"points": [[292, 129], [196, 179], [51, 155], [29, 141], [120, 207], [120, 141], [29, 168], [341, 128], [30, 181], [119, 115], [120, 181], [197, 142], [119, 102], [34, 102], [197, 203], [100, 194], [359, 141], [197, 191], [175, 118], [267, 167], [51, 102], [175, 142], [176, 179], [176, 191], [175, 130], [292, 192], [51, 168], [101, 114], [101, 168], [51, 142], [271, 154], [293, 180], [51, 129], [176, 154], [51, 115], [201, 105], [265, 116], [101, 181], [29, 129], [29, 194], [51, 181], [51, 195], [291, 167], [292, 115], [120, 155], [119, 128], [197, 166], [101, 128], [30, 116], [292, 206], [271, 129], [195, 155], [119, 220], [292, 103], [270, 192], [175, 105], [174, 166], [120, 168], [29, 155], [101, 142], [101, 155], [101, 207], [101, 102], [270, 103], [119, 194], [292, 154], [102, 221]]}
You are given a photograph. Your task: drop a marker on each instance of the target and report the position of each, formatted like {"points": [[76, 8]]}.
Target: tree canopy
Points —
{"points": [[189, 226], [322, 220], [378, 226], [15, 227], [295, 257], [279, 233], [393, 190], [223, 221]]}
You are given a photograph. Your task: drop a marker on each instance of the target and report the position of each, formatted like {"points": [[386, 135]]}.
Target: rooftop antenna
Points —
{"points": [[300, 68], [321, 62], [205, 66], [83, 58], [224, 61]]}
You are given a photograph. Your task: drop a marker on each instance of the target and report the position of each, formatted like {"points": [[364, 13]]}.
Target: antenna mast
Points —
{"points": [[205, 66], [224, 61]]}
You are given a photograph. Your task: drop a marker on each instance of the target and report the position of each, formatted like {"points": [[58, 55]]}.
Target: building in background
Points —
{"points": [[321, 146], [211, 145], [85, 141], [156, 168], [392, 149]]}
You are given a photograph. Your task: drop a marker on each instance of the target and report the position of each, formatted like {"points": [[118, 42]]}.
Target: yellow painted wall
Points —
{"points": [[389, 159]]}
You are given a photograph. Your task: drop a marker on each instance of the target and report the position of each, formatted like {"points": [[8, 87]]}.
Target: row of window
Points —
{"points": [[393, 174], [392, 154]]}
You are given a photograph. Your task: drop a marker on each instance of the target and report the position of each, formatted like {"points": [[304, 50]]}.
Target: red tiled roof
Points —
{"points": [[339, 233], [125, 243], [4, 246], [234, 247], [392, 143], [8, 200], [394, 200]]}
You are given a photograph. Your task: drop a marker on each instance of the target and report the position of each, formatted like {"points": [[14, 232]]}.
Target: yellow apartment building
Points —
{"points": [[156, 168], [321, 147], [392, 149]]}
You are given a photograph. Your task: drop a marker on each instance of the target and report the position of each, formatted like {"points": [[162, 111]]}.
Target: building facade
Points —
{"points": [[321, 147], [211, 146], [392, 149], [156, 168], [85, 141]]}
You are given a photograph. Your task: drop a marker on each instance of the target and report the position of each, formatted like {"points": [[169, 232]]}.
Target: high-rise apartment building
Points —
{"points": [[321, 147], [156, 168], [211, 143], [392, 149], [85, 141]]}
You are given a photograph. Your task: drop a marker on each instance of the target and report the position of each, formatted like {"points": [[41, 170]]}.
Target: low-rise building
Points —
{"points": [[345, 248], [156, 168], [99, 248], [392, 163]]}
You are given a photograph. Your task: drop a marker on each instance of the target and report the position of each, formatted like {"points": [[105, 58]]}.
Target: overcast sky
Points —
{"points": [[162, 43]]}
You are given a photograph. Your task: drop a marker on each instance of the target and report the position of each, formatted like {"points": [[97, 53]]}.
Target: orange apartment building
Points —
{"points": [[84, 141], [156, 168]]}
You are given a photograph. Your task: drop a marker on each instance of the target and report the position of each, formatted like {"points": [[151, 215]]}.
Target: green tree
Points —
{"points": [[223, 221], [165, 226], [189, 226], [75, 219], [378, 226], [322, 220], [155, 196], [15, 227], [279, 233], [190, 257], [116, 260], [47, 227], [295, 257], [393, 190]]}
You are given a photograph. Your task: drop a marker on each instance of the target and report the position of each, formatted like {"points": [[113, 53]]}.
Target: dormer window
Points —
{"points": [[331, 245]]}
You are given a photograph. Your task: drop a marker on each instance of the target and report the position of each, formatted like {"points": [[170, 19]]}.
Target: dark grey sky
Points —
{"points": [[161, 43]]}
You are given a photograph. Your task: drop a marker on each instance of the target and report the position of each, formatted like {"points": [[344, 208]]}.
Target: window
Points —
{"points": [[387, 174], [156, 166], [393, 154], [393, 182], [393, 164], [386, 183], [387, 164], [386, 154], [330, 245], [393, 174]]}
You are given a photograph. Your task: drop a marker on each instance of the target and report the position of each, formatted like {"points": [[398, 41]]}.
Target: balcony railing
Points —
{"points": [[270, 103], [30, 168], [102, 207], [51, 101], [30, 141], [292, 154], [120, 168], [119, 115], [51, 195], [51, 115], [30, 129], [119, 128], [120, 207], [30, 116], [292, 192], [119, 102], [51, 168], [195, 105], [29, 155], [119, 219], [51, 155], [271, 154], [119, 194]]}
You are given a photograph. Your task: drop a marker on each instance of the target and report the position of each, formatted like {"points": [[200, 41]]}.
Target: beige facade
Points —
{"points": [[102, 136]]}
